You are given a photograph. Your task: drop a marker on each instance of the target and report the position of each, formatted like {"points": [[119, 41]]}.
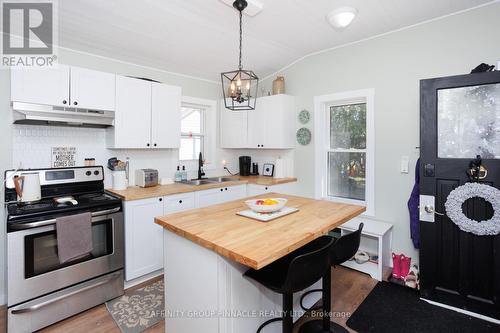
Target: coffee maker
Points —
{"points": [[245, 164]]}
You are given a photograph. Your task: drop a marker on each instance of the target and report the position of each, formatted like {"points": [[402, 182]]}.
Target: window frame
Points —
{"points": [[210, 132], [201, 134], [322, 106]]}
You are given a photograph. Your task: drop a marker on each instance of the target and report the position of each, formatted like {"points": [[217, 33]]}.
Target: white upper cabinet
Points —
{"points": [[166, 116], [257, 124], [41, 86], [92, 89], [147, 115], [133, 114], [277, 118], [64, 86], [233, 126], [270, 126]]}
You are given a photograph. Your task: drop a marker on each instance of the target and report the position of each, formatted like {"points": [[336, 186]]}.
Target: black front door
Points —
{"points": [[460, 119]]}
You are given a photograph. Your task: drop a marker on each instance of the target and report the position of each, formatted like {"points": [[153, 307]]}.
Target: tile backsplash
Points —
{"points": [[32, 148]]}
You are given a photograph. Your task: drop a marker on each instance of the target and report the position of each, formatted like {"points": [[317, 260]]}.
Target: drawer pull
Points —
{"points": [[180, 201]]}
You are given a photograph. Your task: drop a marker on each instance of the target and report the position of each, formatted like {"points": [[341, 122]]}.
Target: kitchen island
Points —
{"points": [[207, 250]]}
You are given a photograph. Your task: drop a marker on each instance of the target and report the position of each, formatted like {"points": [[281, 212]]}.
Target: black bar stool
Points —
{"points": [[342, 250], [292, 273]]}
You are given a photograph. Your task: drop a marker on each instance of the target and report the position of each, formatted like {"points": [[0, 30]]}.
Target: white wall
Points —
{"points": [[393, 65]]}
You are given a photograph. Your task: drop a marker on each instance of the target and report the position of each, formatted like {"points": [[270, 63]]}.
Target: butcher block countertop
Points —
{"points": [[138, 193], [254, 243]]}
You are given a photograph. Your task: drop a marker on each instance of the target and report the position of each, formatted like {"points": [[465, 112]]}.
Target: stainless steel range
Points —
{"points": [[41, 290]]}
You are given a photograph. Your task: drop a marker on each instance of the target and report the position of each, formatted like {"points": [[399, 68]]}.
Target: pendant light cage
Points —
{"points": [[239, 87]]}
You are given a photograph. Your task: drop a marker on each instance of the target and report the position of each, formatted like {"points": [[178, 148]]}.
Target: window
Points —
{"points": [[344, 158], [192, 133], [347, 151]]}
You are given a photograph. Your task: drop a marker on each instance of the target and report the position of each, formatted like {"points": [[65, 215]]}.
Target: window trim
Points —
{"points": [[322, 144], [201, 134], [210, 132]]}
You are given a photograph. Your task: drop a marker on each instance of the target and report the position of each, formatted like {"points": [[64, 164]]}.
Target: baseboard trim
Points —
{"points": [[469, 313], [142, 279]]}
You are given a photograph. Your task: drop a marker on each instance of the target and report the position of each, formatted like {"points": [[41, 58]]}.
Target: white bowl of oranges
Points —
{"points": [[268, 205]]}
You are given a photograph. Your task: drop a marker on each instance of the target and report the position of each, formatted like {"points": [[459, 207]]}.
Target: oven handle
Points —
{"points": [[23, 226], [62, 297]]}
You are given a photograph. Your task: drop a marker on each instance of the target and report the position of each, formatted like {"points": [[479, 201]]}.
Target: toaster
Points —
{"points": [[146, 177]]}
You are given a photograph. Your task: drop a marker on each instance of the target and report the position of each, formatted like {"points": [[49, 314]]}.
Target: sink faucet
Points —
{"points": [[201, 173]]}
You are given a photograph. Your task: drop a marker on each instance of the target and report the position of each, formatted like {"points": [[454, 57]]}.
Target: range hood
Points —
{"points": [[37, 114]]}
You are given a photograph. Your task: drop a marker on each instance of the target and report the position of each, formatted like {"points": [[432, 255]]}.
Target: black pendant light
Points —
{"points": [[239, 87]]}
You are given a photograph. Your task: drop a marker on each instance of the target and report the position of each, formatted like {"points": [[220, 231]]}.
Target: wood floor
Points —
{"points": [[349, 289]]}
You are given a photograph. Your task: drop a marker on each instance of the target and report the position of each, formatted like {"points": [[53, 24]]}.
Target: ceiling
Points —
{"points": [[200, 37]]}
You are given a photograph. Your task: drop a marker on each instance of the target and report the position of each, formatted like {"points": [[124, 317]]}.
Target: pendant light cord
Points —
{"points": [[241, 36]]}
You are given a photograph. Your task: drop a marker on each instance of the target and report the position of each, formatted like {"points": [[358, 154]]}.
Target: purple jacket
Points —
{"points": [[413, 204]]}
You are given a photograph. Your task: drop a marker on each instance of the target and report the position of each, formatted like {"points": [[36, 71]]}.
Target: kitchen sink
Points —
{"points": [[211, 180], [222, 179], [197, 182]]}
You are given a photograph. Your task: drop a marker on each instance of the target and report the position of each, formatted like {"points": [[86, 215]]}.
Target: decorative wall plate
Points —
{"points": [[304, 136], [304, 116]]}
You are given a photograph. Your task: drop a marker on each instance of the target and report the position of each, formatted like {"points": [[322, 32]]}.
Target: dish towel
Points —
{"points": [[74, 236], [413, 208]]}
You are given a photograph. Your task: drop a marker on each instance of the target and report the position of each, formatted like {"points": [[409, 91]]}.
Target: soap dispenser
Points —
{"points": [[184, 174], [178, 174]]}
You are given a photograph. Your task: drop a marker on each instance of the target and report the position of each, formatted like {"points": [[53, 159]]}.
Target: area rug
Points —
{"points": [[392, 308], [138, 309]]}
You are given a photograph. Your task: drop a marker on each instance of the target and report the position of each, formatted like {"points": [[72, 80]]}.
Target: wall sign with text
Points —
{"points": [[63, 157]]}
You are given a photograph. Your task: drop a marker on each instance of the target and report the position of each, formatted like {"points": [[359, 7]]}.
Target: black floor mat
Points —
{"points": [[392, 308]]}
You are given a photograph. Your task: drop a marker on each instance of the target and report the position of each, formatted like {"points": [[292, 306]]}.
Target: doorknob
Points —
{"points": [[430, 209]]}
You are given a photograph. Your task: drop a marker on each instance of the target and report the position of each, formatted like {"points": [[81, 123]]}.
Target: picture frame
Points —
{"points": [[268, 170]]}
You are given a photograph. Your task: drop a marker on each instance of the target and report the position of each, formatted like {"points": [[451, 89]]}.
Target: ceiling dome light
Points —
{"points": [[340, 18]]}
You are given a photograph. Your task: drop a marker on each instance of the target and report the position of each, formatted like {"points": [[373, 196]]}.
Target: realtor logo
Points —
{"points": [[28, 33]]}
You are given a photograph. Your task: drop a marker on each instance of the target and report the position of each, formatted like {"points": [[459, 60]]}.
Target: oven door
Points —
{"points": [[33, 263]]}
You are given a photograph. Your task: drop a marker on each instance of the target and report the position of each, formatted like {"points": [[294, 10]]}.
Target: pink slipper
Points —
{"points": [[405, 266], [396, 266]]}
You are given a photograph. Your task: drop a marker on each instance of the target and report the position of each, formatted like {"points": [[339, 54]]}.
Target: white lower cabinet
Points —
{"points": [[178, 203], [263, 189], [234, 193], [143, 238], [219, 195]]}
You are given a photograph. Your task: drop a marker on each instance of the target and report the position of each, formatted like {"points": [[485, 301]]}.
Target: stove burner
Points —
{"points": [[35, 206], [96, 197]]}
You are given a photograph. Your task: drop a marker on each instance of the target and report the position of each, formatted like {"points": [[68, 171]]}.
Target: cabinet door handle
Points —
{"points": [[147, 144], [221, 189], [161, 199], [265, 188], [65, 101], [154, 145], [180, 201], [226, 188], [75, 103]]}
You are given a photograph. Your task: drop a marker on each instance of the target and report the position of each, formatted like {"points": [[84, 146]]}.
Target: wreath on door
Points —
{"points": [[459, 195]]}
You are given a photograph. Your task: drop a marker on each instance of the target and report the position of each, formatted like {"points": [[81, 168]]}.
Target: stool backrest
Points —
{"points": [[310, 265], [346, 246]]}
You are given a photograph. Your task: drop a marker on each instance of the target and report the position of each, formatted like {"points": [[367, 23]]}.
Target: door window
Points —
{"points": [[469, 122]]}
